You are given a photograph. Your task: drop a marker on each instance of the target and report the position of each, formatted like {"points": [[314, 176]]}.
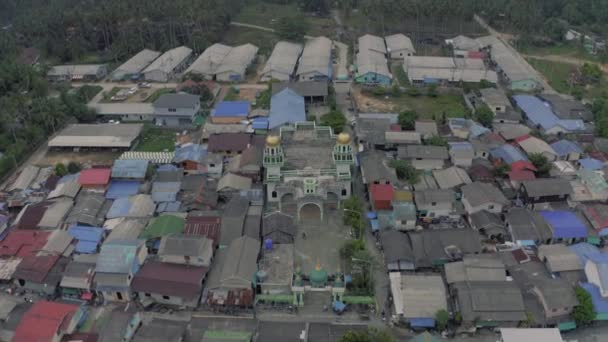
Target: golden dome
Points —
{"points": [[343, 138], [273, 140]]}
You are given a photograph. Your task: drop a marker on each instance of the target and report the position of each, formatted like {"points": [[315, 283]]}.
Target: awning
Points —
{"points": [[422, 322], [566, 326]]}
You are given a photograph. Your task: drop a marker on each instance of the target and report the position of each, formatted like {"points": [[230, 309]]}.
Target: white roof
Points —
{"points": [[464, 43], [531, 334], [418, 295], [238, 59], [25, 179], [447, 68], [210, 59], [233, 181], [371, 61], [284, 58], [77, 69], [536, 145], [153, 157], [220, 58], [170, 59], [316, 56], [373, 43], [509, 61], [135, 108], [428, 62], [97, 135], [138, 62], [398, 42]]}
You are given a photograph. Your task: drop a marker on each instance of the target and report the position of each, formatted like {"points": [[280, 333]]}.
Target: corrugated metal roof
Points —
{"points": [[138, 62], [398, 42], [231, 108], [164, 225], [88, 238], [170, 60], [286, 106], [565, 224], [137, 206], [192, 152], [564, 147], [283, 59], [540, 113], [94, 177], [153, 157], [130, 168], [508, 154], [180, 100], [165, 191], [316, 57], [122, 188], [118, 256]]}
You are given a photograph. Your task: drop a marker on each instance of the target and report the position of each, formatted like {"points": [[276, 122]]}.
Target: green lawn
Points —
{"points": [[156, 139], [556, 73], [428, 107], [564, 49], [157, 93], [400, 75], [264, 40]]}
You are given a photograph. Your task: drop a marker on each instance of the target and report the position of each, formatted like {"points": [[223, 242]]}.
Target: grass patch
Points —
{"points": [[565, 49], [556, 73], [264, 40], [429, 107], [232, 95], [158, 93], [400, 75], [156, 139]]}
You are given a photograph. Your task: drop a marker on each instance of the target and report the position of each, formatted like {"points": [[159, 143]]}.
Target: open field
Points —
{"points": [[557, 74], [565, 49], [155, 139], [427, 107], [264, 40]]}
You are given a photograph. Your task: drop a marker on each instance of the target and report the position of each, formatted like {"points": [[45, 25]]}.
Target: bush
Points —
{"points": [[407, 120], [379, 91], [432, 90], [436, 140], [442, 317], [484, 116], [413, 91], [60, 170], [405, 171], [334, 119], [74, 167], [583, 313]]}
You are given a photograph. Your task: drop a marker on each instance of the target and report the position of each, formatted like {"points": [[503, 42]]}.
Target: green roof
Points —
{"points": [[224, 335], [565, 326], [162, 226]]}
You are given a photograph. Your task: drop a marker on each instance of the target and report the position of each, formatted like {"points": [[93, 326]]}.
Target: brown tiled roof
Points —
{"points": [[229, 142], [170, 279]]}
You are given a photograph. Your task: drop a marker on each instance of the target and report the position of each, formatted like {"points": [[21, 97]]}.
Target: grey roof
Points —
{"points": [[372, 56], [68, 189], [304, 88], [374, 167], [210, 59], [557, 293], [75, 69], [568, 109], [509, 115], [511, 131], [281, 223], [170, 60], [461, 42], [7, 304], [161, 330], [396, 246], [418, 296], [372, 130], [79, 272], [398, 42], [478, 193], [431, 246], [89, 209], [426, 197], [316, 56], [559, 258], [490, 301], [219, 58], [283, 59], [177, 101], [486, 220], [138, 62], [116, 326], [97, 135], [494, 97], [124, 229], [481, 267], [451, 177], [55, 213], [423, 151], [123, 108], [191, 245], [510, 63], [25, 179], [281, 331], [426, 128], [241, 263], [527, 225], [547, 187], [130, 168], [238, 59], [231, 181]]}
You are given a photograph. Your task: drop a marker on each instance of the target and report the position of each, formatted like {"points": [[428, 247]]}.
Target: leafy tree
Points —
{"points": [[405, 171], [396, 91], [541, 163], [334, 119], [379, 91], [369, 335], [591, 73], [555, 28], [350, 247], [317, 6], [407, 120], [584, 313], [484, 116], [60, 170], [292, 28], [73, 167], [502, 170], [413, 91], [199, 89], [432, 90], [442, 317], [436, 140], [353, 211]]}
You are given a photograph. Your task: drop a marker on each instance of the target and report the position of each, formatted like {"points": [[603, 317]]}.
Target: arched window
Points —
{"points": [[274, 194]]}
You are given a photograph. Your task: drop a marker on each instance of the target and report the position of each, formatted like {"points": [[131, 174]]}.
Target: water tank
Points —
{"points": [[261, 276], [268, 244]]}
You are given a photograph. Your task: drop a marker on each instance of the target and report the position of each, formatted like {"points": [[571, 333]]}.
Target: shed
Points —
{"points": [[88, 238], [122, 188], [227, 112], [94, 178], [381, 196]]}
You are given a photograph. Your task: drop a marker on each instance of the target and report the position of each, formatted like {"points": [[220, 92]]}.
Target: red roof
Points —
{"points": [[599, 155], [95, 176], [476, 54], [382, 192], [522, 138], [22, 243], [43, 320], [167, 279], [395, 128], [80, 337], [35, 268], [521, 175], [523, 165], [207, 226]]}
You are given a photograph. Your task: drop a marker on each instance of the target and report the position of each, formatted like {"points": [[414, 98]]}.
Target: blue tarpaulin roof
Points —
{"points": [[286, 106], [88, 238], [422, 322], [591, 164], [508, 153], [540, 113], [600, 304], [231, 108], [583, 250], [130, 168], [192, 152], [260, 123], [122, 188], [564, 147], [565, 224]]}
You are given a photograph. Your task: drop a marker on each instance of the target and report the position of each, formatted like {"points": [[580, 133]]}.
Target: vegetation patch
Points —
{"points": [[154, 139], [158, 93]]}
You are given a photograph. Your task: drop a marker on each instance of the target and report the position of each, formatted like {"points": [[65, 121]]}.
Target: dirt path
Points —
{"points": [[569, 60]]}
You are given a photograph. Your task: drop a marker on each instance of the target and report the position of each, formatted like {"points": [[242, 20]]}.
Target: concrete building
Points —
{"points": [[315, 62], [399, 46], [131, 69], [435, 203], [282, 62], [165, 67], [78, 72], [417, 298], [176, 110], [224, 63], [117, 264], [118, 111], [495, 99], [305, 176]]}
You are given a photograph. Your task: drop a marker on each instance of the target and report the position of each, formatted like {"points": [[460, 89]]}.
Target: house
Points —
{"points": [[95, 179], [597, 215], [375, 169], [190, 157], [495, 99], [312, 91], [22, 243], [125, 169], [67, 189], [480, 196], [590, 186], [427, 129], [131, 69], [229, 143], [600, 303], [165, 192], [372, 65], [451, 177], [233, 220], [231, 184], [170, 283], [286, 107], [404, 211], [562, 261], [556, 296], [170, 63], [371, 132], [533, 145], [123, 111], [399, 46], [120, 326], [462, 43], [176, 110], [230, 112], [393, 139], [281, 64], [417, 298], [381, 196], [279, 228], [432, 247], [544, 190], [540, 115], [423, 70], [248, 164], [78, 72], [567, 150], [77, 280], [137, 206], [207, 226], [117, 264], [55, 214], [461, 153], [163, 225], [527, 228], [224, 63], [315, 62], [488, 224], [88, 238], [568, 109], [237, 265], [90, 208], [473, 268], [277, 269], [565, 226], [424, 157], [466, 128], [41, 273], [86, 137], [397, 251], [48, 321], [489, 303], [591, 164], [530, 334], [434, 203], [186, 249], [481, 173], [596, 270]]}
